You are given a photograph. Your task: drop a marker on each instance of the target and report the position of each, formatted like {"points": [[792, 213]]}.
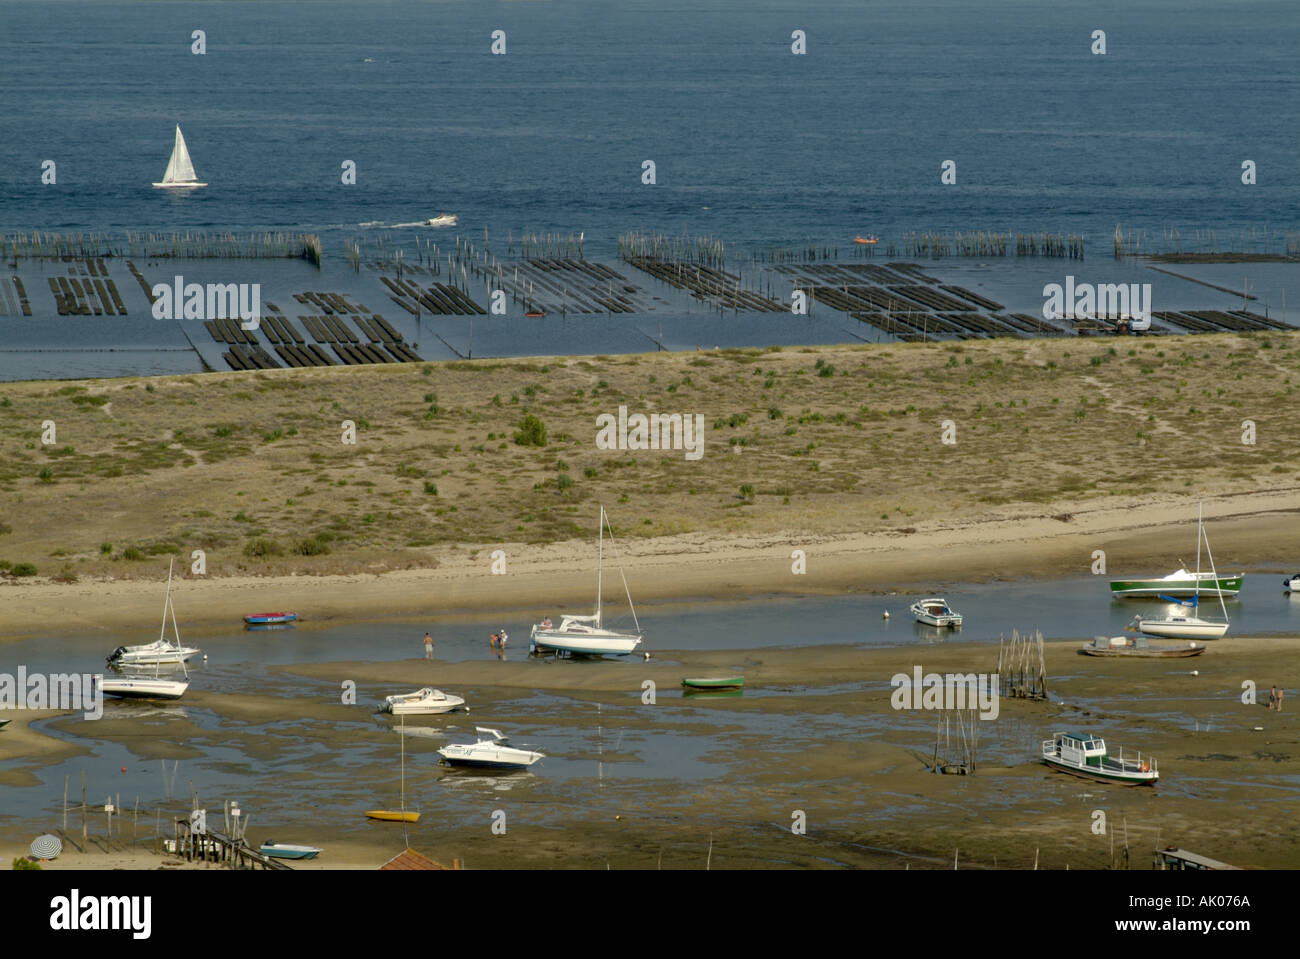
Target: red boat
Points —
{"points": [[266, 619], [534, 313]]}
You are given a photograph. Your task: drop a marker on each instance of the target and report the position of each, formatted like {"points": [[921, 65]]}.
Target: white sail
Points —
{"points": [[180, 168]]}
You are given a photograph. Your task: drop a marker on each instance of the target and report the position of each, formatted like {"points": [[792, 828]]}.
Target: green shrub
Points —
{"points": [[23, 864], [23, 569], [532, 432], [312, 547], [262, 548], [132, 553]]}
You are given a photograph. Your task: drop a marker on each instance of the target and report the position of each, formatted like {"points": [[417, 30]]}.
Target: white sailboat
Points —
{"points": [[586, 635], [160, 652], [1190, 627], [180, 168]]}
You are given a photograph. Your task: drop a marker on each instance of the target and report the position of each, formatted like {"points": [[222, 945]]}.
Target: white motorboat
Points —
{"points": [[180, 168], [1184, 625], [443, 219], [160, 652], [143, 687], [422, 702], [1292, 583], [587, 635], [936, 612], [493, 750]]}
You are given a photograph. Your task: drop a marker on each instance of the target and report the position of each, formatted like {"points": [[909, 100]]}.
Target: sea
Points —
{"points": [[753, 144]]}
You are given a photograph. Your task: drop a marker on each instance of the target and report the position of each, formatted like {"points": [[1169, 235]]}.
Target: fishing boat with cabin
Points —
{"points": [[1138, 647], [1085, 754]]}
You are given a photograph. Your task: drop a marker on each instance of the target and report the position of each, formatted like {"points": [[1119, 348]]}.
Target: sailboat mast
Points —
{"points": [[162, 628], [1215, 573], [600, 562], [1200, 507]]}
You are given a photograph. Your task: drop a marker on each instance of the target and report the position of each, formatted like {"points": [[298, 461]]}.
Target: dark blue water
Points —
{"points": [[752, 143]]}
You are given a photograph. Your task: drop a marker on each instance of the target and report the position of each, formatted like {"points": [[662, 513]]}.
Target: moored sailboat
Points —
{"points": [[1183, 626], [587, 635], [160, 652]]}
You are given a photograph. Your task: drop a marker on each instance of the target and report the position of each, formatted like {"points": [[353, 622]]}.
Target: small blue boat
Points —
{"points": [[267, 619], [284, 850]]}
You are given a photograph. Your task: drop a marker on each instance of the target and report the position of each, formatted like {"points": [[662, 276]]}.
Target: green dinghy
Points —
{"points": [[713, 684]]}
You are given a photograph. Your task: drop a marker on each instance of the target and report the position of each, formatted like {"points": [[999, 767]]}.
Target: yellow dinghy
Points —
{"points": [[388, 815]]}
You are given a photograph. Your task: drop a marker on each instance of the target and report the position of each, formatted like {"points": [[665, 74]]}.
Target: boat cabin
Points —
{"points": [[1082, 748], [1121, 642]]}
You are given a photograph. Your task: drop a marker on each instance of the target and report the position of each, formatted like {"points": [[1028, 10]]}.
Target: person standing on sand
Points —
{"points": [[1280, 694], [1272, 698], [428, 646]]}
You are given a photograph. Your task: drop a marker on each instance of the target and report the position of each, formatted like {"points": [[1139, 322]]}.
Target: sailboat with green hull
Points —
{"points": [[1182, 584]]}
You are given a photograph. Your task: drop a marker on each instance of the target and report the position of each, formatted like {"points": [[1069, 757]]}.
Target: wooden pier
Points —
{"points": [[220, 849]]}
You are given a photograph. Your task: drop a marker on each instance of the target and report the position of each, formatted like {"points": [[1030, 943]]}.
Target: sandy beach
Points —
{"points": [[1138, 535]]}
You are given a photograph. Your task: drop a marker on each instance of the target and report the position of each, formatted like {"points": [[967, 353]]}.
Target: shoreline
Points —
{"points": [[1146, 535]]}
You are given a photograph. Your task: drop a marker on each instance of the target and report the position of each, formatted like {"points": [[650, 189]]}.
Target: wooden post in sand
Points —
{"points": [[65, 805], [83, 811]]}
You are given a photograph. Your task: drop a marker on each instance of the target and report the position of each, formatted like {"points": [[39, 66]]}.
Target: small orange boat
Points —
{"points": [[868, 240], [534, 313]]}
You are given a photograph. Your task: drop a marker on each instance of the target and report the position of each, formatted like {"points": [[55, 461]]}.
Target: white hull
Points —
{"points": [[425, 702], [594, 643], [935, 612], [1182, 627], [446, 219], [143, 688], [154, 654], [179, 186], [492, 752], [492, 757]]}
